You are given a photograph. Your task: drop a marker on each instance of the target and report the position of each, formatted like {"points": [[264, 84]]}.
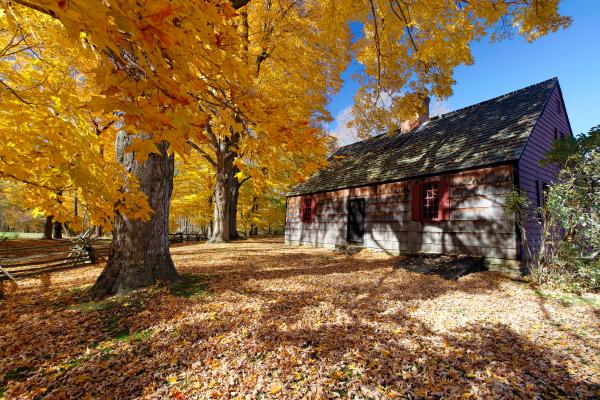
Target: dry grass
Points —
{"points": [[257, 319]]}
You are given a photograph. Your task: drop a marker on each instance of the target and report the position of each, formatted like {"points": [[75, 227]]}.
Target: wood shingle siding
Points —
{"points": [[477, 225]]}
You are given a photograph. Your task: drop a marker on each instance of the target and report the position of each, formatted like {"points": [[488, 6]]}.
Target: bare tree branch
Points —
{"points": [[14, 93], [202, 152], [36, 7], [377, 44]]}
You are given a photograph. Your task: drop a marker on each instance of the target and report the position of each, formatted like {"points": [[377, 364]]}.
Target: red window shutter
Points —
{"points": [[416, 202], [313, 208], [444, 193], [302, 207]]}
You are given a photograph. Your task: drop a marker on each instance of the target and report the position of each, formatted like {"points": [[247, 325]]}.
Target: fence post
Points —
{"points": [[89, 249]]}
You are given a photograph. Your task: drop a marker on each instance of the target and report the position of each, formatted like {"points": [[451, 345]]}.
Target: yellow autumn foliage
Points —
{"points": [[203, 71], [50, 140]]}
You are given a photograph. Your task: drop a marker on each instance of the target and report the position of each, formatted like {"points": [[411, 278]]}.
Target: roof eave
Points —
{"points": [[532, 129], [510, 161]]}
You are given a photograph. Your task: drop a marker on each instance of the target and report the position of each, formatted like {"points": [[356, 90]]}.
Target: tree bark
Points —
{"points": [[225, 173], [48, 228], [233, 206], [56, 230], [57, 226], [222, 201], [209, 228], [139, 253], [254, 210]]}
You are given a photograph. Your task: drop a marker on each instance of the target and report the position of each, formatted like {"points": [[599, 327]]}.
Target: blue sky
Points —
{"points": [[572, 55]]}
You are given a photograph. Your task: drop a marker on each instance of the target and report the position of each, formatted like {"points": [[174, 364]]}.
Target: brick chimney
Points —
{"points": [[418, 120]]}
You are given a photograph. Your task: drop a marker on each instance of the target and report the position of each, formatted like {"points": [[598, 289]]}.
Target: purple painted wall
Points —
{"points": [[531, 175]]}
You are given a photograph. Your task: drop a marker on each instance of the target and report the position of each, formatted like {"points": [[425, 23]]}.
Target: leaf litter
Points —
{"points": [[257, 319]]}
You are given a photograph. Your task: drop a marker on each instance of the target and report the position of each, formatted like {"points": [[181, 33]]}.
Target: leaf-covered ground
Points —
{"points": [[257, 319]]}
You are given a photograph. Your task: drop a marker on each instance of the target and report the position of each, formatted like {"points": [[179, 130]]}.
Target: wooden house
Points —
{"points": [[439, 187]]}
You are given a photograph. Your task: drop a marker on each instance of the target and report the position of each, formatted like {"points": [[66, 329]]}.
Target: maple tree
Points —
{"points": [[182, 72], [293, 62], [153, 61], [410, 49], [262, 186], [51, 142]]}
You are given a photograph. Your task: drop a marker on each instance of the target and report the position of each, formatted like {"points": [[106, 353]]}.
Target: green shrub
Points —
{"points": [[569, 248]]}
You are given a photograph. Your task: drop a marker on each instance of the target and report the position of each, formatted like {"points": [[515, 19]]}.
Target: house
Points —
{"points": [[440, 187]]}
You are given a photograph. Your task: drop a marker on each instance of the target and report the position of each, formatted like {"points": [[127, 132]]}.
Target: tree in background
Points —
{"points": [[14, 217], [261, 202], [262, 211], [292, 54], [192, 192]]}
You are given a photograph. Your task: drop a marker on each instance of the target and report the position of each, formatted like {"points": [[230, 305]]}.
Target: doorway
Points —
{"points": [[356, 220]]}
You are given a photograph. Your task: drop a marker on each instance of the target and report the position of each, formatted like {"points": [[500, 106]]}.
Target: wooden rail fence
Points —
{"points": [[19, 262], [181, 237]]}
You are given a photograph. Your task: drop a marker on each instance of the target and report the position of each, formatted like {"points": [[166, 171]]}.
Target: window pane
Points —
{"points": [[307, 209], [431, 201]]}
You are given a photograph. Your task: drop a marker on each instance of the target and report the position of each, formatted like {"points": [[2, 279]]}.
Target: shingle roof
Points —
{"points": [[490, 132]]}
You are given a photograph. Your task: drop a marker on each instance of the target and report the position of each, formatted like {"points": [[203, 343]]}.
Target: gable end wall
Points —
{"points": [[529, 170]]}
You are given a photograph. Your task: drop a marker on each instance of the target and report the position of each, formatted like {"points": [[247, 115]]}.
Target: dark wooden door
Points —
{"points": [[356, 220]]}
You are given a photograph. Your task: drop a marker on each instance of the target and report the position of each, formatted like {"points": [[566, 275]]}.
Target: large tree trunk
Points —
{"points": [[48, 228], [254, 210], [57, 226], [222, 200], [233, 206], [225, 173], [139, 253], [57, 230]]}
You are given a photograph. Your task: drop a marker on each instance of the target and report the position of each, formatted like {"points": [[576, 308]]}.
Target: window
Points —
{"points": [[558, 135], [431, 201], [308, 209], [306, 217], [541, 192]]}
